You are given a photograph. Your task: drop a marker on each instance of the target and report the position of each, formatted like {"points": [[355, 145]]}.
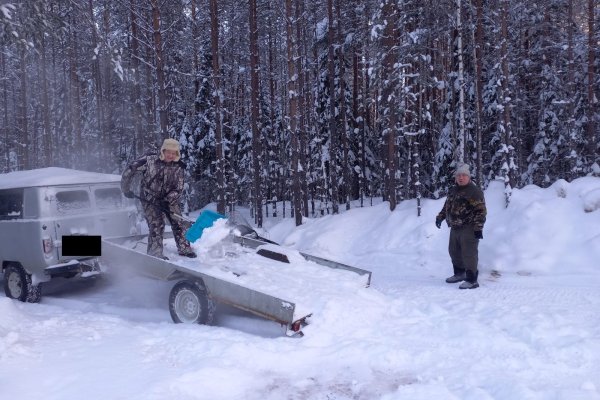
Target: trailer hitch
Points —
{"points": [[295, 328]]}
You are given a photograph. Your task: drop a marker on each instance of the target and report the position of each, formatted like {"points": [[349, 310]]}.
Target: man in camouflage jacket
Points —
{"points": [[160, 193], [465, 212]]}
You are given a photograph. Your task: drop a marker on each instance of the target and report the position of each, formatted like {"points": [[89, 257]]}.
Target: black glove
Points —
{"points": [[165, 206], [129, 194], [438, 222], [478, 234]]}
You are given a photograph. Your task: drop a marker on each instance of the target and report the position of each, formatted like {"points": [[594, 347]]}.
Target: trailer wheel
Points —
{"points": [[189, 303], [19, 286]]}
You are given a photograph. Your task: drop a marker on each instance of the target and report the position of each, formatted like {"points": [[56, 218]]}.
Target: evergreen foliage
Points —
{"points": [[80, 88]]}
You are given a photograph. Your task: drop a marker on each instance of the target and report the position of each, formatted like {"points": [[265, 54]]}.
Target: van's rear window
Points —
{"points": [[108, 198], [11, 204], [72, 202]]}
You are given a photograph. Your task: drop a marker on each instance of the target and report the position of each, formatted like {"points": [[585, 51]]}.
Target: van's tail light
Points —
{"points": [[47, 245]]}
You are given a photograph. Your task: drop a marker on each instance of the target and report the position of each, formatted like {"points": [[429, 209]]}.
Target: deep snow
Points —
{"points": [[531, 331]]}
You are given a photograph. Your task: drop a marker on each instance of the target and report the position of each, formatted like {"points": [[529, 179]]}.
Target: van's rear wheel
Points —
{"points": [[189, 303], [18, 285]]}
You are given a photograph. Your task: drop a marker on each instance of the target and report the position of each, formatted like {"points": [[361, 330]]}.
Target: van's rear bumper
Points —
{"points": [[73, 267]]}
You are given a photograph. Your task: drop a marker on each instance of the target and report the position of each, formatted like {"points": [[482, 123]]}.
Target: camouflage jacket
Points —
{"points": [[464, 206], [160, 181]]}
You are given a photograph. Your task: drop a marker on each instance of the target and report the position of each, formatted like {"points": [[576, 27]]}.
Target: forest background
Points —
{"points": [[314, 103]]}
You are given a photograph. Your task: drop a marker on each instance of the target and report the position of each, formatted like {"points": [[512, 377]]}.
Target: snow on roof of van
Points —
{"points": [[53, 176]]}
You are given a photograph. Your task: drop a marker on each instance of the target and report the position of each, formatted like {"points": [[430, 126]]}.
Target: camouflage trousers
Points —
{"points": [[463, 249], [155, 217]]}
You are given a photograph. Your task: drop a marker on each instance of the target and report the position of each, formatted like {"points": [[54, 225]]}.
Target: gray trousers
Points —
{"points": [[155, 218], [463, 249]]}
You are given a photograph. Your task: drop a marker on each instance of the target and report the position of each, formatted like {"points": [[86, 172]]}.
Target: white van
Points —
{"points": [[51, 224]]}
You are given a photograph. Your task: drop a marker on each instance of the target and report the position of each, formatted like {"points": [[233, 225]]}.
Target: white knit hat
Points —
{"points": [[170, 144], [462, 169]]}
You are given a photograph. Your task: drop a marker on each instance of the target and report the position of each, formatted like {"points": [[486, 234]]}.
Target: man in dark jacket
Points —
{"points": [[160, 193], [465, 212]]}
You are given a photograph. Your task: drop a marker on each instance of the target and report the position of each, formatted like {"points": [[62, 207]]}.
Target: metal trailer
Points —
{"points": [[192, 298]]}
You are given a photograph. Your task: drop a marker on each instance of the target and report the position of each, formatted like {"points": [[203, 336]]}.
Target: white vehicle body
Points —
{"points": [[39, 207]]}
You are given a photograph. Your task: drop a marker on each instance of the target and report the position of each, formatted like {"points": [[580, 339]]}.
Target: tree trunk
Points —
{"points": [[150, 102], [160, 69], [389, 98], [107, 124], [508, 159], [5, 126], [478, 86], [214, 41], [47, 133], [592, 47], [343, 117], [24, 140], [462, 142], [272, 181], [196, 49], [75, 99], [135, 96], [96, 74], [356, 118], [302, 72], [333, 144], [254, 99], [366, 120], [292, 90], [571, 161]]}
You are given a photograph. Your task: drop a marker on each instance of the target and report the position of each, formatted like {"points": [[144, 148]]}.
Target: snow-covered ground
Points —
{"points": [[531, 331]]}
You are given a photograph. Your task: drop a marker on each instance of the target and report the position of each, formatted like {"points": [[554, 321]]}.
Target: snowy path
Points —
{"points": [[410, 339]]}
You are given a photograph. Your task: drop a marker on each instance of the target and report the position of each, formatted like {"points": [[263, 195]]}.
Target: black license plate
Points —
{"points": [[81, 246]]}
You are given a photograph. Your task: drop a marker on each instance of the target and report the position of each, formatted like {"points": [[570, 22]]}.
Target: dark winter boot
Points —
{"points": [[471, 281], [459, 276], [188, 253]]}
